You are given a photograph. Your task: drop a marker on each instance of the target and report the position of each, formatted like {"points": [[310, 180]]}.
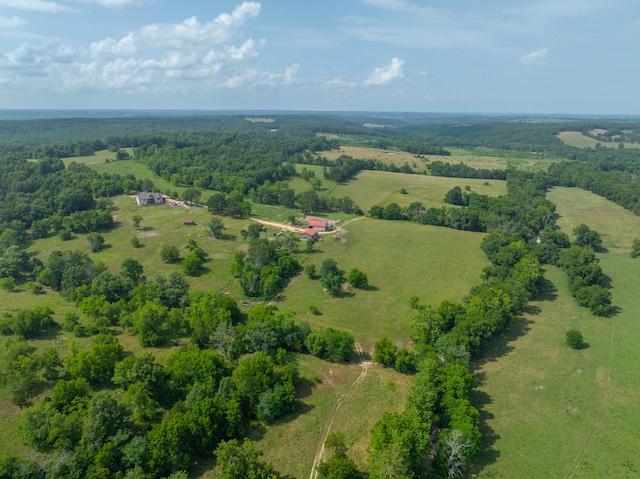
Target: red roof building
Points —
{"points": [[320, 225], [309, 234]]}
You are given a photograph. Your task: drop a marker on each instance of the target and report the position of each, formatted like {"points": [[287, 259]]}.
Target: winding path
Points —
{"points": [[365, 365]]}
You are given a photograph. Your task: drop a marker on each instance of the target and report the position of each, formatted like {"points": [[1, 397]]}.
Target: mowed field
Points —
{"points": [[470, 158], [617, 226], [548, 410], [577, 139], [401, 259], [381, 187]]}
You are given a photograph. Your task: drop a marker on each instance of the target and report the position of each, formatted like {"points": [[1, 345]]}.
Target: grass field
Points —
{"points": [[472, 158], [617, 226], [401, 259], [577, 139], [548, 410]]}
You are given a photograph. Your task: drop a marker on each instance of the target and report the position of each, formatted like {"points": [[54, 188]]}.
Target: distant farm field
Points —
{"points": [[470, 158], [617, 226], [402, 259], [577, 139]]}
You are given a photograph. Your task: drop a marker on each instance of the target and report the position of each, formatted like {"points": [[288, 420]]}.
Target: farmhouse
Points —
{"points": [[321, 225], [309, 234], [144, 199]]}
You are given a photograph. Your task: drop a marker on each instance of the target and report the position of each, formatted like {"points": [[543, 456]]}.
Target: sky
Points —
{"points": [[482, 56]]}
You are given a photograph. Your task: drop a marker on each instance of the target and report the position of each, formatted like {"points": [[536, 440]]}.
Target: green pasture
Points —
{"points": [[617, 226], [551, 411], [477, 158], [161, 224], [578, 140], [401, 259], [380, 187]]}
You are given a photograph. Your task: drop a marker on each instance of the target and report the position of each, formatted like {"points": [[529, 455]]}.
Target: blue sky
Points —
{"points": [[539, 56]]}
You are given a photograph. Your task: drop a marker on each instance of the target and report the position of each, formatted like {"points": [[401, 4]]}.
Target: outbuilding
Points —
{"points": [[309, 234], [321, 225]]}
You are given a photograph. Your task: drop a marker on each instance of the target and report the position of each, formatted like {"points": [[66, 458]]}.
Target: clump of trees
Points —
{"points": [[264, 268]]}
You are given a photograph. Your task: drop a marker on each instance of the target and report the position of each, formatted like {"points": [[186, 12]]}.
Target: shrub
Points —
{"points": [[574, 339]]}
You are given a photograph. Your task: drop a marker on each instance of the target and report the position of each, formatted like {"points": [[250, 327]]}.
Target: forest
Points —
{"points": [[229, 362]]}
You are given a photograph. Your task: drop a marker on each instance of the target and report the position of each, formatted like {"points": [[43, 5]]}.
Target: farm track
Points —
{"points": [[365, 365]]}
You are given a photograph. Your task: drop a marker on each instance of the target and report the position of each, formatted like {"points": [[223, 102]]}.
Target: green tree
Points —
{"points": [[136, 221], [333, 284], [339, 466], [191, 195], [574, 339], [635, 248], [587, 237], [50, 363], [242, 461], [253, 231], [310, 271], [358, 279], [217, 203], [131, 269], [385, 352], [135, 242], [150, 325], [169, 253], [215, 227], [96, 241], [192, 264]]}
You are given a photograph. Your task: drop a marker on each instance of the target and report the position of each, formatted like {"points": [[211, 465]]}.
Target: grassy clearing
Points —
{"points": [[161, 224], [617, 226], [292, 443], [401, 259], [577, 139], [550, 411], [381, 187], [473, 158]]}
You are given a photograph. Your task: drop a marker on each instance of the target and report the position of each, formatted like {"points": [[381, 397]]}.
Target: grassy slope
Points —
{"points": [[617, 226], [550, 411], [401, 259], [577, 139], [458, 155]]}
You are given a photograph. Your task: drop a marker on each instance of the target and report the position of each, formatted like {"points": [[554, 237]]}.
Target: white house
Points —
{"points": [[144, 199]]}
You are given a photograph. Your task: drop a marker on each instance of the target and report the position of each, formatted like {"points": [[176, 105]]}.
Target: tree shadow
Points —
{"points": [[613, 311], [370, 287], [304, 388], [548, 291], [487, 453], [501, 345], [228, 237], [605, 282]]}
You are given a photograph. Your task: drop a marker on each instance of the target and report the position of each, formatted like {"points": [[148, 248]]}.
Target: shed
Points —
{"points": [[309, 234], [189, 222]]}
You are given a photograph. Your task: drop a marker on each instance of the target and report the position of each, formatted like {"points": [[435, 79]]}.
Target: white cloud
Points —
{"points": [[536, 58], [385, 75], [115, 3], [189, 57], [423, 73], [35, 5], [11, 22]]}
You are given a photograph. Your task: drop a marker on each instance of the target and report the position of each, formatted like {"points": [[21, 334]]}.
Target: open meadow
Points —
{"points": [[551, 411], [476, 158], [401, 259], [617, 227], [577, 139]]}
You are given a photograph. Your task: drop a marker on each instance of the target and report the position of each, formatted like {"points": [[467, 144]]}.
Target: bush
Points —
{"points": [[8, 284], [358, 279], [574, 339], [310, 271]]}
